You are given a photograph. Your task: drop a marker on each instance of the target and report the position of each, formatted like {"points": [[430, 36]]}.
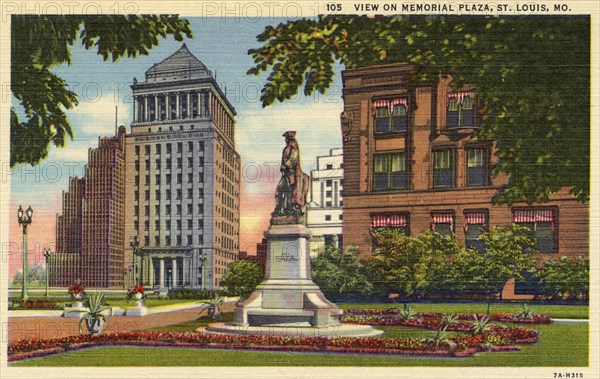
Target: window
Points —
{"points": [[158, 149], [327, 217], [168, 209], [201, 146], [328, 183], [178, 195], [146, 240], [147, 149], [178, 240], [179, 178], [391, 116], [147, 180], [329, 166], [190, 224], [156, 241], [190, 208], [443, 168], [157, 194], [147, 195], [390, 172], [156, 224], [168, 148], [476, 167], [542, 223], [200, 224], [136, 210], [137, 150], [179, 163], [190, 177], [460, 110], [341, 217], [146, 225], [328, 203], [136, 225], [178, 224], [157, 163], [475, 226], [146, 210], [168, 240], [189, 240], [328, 194], [168, 224], [157, 209], [157, 179], [200, 240], [189, 193], [443, 223], [179, 147], [178, 209]]}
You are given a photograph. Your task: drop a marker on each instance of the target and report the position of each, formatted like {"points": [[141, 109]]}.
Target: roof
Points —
{"points": [[181, 65]]}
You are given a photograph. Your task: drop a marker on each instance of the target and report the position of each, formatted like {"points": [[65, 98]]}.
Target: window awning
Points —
{"points": [[459, 96], [475, 218], [442, 218], [531, 216], [389, 103], [387, 221]]}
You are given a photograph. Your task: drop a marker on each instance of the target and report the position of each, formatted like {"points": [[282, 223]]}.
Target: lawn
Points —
{"points": [[554, 311], [563, 345]]}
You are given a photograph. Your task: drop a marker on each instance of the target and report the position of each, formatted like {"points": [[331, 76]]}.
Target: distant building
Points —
{"points": [[89, 235], [324, 211], [173, 183], [414, 167]]}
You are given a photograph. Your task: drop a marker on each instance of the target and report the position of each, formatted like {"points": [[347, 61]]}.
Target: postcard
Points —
{"points": [[299, 189]]}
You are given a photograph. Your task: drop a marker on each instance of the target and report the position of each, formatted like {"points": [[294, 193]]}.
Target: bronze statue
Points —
{"points": [[290, 195]]}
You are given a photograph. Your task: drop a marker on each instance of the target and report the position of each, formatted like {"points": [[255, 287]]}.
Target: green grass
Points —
{"points": [[562, 345], [190, 326], [554, 311]]}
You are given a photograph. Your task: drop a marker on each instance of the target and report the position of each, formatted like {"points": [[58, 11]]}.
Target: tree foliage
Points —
{"points": [[340, 274], [411, 265], [36, 276], [566, 276], [41, 42], [509, 252], [242, 278], [532, 78]]}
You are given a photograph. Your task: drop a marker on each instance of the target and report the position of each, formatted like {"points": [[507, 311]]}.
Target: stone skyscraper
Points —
{"points": [[182, 197]]}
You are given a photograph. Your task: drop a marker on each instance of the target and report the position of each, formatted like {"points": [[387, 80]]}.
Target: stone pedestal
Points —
{"points": [[287, 296], [136, 312]]}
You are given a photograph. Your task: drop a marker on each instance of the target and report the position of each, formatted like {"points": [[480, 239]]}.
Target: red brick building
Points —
{"points": [[90, 231], [416, 168]]}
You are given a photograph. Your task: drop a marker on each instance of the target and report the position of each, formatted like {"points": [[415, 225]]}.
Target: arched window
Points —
{"points": [[460, 111]]}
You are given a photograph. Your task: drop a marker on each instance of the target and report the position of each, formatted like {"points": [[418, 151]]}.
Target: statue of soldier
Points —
{"points": [[290, 195]]}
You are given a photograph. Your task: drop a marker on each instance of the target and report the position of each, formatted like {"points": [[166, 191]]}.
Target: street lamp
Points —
{"points": [[202, 259], [134, 242], [24, 220], [47, 255]]}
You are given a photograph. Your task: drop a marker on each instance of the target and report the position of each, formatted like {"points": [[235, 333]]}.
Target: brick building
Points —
{"points": [[416, 168]]}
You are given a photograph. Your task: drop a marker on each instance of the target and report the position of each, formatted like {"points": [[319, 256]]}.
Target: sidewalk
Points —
{"points": [[50, 326]]}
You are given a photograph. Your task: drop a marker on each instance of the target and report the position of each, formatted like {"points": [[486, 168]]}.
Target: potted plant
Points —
{"points": [[77, 292], [136, 293], [94, 319]]}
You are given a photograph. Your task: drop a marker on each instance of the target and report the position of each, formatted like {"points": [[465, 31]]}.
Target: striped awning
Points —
{"points": [[442, 218], [531, 216], [391, 220], [474, 218], [389, 103], [459, 96]]}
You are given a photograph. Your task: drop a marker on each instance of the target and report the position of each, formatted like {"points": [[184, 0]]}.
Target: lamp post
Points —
{"points": [[202, 259], [47, 255], [134, 242], [24, 220]]}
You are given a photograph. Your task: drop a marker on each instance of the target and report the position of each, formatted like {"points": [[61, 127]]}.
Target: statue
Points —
{"points": [[290, 195], [346, 119]]}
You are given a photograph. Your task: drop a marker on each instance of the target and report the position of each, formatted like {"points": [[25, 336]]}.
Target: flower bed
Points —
{"points": [[495, 339], [500, 317]]}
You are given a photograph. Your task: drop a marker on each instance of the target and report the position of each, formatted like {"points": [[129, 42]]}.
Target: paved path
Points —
{"points": [[53, 327]]}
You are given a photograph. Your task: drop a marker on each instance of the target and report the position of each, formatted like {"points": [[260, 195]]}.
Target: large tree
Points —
{"points": [[532, 78], [40, 43]]}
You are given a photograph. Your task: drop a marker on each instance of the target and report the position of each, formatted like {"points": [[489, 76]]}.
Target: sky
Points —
{"points": [[222, 45]]}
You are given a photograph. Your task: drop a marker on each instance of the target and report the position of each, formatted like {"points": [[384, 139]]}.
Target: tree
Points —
{"points": [[36, 276], [411, 266], [42, 42], [566, 276], [509, 252], [339, 274], [242, 278], [532, 78]]}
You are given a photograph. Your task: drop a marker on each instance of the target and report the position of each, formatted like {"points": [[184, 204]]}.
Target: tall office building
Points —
{"points": [[184, 188], [324, 211], [89, 233], [173, 184]]}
